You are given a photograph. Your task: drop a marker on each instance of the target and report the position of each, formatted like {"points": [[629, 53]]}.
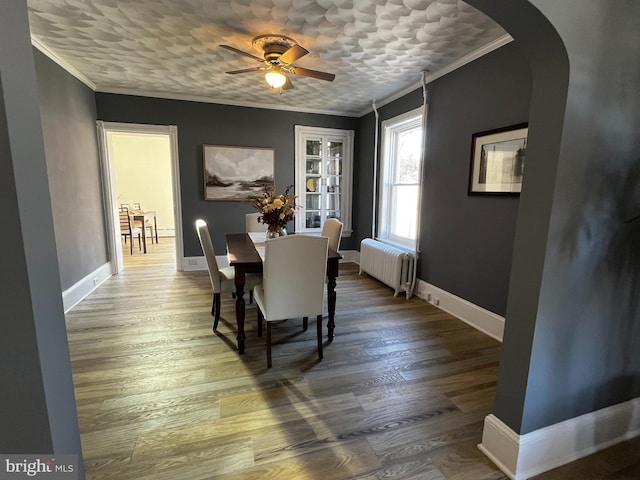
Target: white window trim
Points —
{"points": [[408, 120]]}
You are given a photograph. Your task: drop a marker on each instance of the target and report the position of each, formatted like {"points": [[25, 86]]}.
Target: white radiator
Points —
{"points": [[391, 265]]}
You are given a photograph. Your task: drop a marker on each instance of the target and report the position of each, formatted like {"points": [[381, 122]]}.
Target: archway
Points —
{"points": [[569, 382]]}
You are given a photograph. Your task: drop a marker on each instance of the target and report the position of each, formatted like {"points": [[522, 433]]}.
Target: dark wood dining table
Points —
{"points": [[244, 258]]}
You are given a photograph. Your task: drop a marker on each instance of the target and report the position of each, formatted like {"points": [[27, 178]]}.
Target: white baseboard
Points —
{"points": [[74, 294], [478, 317], [192, 264], [525, 456], [349, 256]]}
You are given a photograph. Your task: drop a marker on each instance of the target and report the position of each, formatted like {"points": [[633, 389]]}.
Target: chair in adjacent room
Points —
{"points": [[134, 208], [252, 224], [222, 279], [127, 229], [292, 283], [332, 229]]}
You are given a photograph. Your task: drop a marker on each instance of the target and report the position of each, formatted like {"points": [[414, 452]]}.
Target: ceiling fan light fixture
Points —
{"points": [[275, 78]]}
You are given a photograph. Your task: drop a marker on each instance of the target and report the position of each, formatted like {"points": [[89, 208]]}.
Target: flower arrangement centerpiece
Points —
{"points": [[276, 210]]}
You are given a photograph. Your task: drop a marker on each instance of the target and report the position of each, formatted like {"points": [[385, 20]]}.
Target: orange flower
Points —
{"points": [[276, 211]]}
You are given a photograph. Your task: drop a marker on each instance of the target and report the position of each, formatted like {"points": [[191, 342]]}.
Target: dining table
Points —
{"points": [[143, 218], [244, 258]]}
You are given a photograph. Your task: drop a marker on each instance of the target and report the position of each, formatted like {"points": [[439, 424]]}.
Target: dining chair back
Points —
{"points": [[293, 277], [209, 254], [252, 224], [222, 279], [134, 206], [332, 229], [127, 228]]}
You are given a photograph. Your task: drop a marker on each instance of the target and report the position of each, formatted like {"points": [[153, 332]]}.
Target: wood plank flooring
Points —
{"points": [[401, 393]]}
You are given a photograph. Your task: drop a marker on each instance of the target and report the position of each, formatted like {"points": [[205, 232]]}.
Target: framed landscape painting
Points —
{"points": [[236, 173], [497, 161]]}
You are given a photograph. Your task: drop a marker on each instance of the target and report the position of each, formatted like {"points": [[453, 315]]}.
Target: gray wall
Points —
{"points": [[37, 404], [69, 126], [573, 317], [466, 241], [212, 124]]}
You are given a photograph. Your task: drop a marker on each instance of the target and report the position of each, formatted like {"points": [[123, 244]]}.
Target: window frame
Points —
{"points": [[390, 130]]}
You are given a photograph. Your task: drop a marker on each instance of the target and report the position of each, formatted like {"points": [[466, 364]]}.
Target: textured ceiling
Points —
{"points": [[170, 48]]}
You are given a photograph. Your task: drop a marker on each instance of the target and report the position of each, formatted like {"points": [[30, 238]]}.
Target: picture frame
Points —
{"points": [[497, 161], [236, 173]]}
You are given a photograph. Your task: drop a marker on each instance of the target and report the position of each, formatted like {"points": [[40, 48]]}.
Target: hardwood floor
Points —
{"points": [[401, 393]]}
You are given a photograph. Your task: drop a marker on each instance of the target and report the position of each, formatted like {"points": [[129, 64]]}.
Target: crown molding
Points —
{"points": [[462, 61], [205, 99], [62, 63], [470, 57], [171, 96]]}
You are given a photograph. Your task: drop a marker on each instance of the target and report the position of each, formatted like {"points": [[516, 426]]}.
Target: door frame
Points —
{"points": [[109, 187]]}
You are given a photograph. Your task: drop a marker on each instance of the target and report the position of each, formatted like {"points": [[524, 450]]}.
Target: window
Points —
{"points": [[400, 178]]}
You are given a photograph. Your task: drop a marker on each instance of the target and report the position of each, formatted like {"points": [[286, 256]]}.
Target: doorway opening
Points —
{"points": [[140, 173]]}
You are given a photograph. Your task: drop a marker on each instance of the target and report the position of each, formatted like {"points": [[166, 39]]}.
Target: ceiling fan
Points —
{"points": [[279, 54]]}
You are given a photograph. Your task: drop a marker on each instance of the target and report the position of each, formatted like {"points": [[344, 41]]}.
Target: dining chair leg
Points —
{"points": [[260, 320], [139, 242], [131, 245], [215, 310], [319, 322], [305, 323], [268, 344]]}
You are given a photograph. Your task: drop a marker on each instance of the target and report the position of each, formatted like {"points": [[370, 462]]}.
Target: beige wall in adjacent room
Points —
{"points": [[143, 174]]}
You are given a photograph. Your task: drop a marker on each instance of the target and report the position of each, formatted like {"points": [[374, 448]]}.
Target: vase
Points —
{"points": [[276, 232]]}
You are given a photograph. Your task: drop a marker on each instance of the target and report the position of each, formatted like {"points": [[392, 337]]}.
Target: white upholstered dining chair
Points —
{"points": [[332, 229], [222, 279], [293, 283], [252, 224]]}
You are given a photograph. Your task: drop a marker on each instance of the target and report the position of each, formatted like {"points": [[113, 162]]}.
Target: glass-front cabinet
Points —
{"points": [[324, 158]]}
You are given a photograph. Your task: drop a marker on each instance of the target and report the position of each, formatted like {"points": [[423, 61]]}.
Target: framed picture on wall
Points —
{"points": [[236, 173], [497, 161]]}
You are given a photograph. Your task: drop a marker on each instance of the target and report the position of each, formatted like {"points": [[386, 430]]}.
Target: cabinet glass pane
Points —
{"points": [[313, 166], [333, 184], [312, 184], [312, 220], [333, 201], [335, 149], [312, 202], [334, 158], [313, 147]]}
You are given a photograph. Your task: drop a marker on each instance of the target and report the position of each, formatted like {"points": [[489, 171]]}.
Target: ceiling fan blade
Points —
{"points": [[245, 70], [293, 54], [287, 85], [233, 49], [305, 72]]}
